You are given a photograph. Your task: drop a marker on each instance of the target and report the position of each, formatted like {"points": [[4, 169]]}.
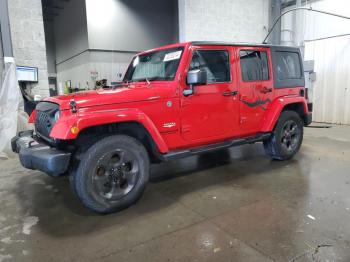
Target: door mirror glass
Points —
{"points": [[197, 77]]}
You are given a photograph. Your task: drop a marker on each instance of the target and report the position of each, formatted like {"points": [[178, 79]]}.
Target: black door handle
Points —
{"points": [[229, 93], [266, 90]]}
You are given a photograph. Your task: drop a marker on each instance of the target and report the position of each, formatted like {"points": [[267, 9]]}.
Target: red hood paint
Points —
{"points": [[133, 93]]}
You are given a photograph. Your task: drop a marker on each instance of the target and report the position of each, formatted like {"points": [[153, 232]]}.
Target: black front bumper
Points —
{"points": [[36, 155]]}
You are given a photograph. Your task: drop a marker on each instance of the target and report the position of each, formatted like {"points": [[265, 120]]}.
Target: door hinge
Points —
{"points": [[185, 128], [185, 102], [243, 120]]}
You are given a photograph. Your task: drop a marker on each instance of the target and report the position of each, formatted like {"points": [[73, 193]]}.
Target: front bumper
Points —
{"points": [[36, 155]]}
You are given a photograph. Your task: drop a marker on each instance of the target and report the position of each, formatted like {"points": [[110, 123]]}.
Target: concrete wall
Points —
{"points": [[28, 39], [225, 20]]}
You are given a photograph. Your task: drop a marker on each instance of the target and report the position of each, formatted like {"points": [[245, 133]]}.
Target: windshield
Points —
{"points": [[159, 65]]}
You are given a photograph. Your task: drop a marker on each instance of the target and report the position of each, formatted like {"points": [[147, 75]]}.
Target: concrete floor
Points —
{"points": [[235, 205]]}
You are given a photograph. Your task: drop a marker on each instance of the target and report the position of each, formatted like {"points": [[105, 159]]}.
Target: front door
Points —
{"points": [[212, 111], [255, 86]]}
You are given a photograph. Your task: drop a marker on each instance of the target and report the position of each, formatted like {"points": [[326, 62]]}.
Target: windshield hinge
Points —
{"points": [[73, 106]]}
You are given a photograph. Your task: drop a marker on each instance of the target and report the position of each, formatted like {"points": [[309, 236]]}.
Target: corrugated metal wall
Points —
{"points": [[331, 90]]}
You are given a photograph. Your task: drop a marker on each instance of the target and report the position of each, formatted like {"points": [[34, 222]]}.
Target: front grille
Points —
{"points": [[45, 118]]}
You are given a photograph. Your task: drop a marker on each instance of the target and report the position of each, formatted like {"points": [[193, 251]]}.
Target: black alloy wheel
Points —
{"points": [[116, 174], [290, 135], [286, 138], [112, 174]]}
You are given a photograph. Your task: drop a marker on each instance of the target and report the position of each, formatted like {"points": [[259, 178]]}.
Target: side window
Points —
{"points": [[288, 66], [215, 62], [254, 65]]}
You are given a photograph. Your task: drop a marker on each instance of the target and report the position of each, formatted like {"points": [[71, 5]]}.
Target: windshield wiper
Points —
{"points": [[147, 79]]}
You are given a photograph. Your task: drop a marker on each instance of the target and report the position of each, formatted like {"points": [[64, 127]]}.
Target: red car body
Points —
{"points": [[175, 121]]}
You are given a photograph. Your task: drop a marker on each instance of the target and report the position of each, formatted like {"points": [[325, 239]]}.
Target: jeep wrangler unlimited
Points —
{"points": [[175, 101]]}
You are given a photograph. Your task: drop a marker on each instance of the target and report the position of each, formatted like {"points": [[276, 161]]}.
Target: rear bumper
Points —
{"points": [[308, 119], [308, 116], [310, 107], [36, 155]]}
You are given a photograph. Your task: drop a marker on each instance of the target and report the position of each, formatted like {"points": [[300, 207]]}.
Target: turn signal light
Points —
{"points": [[74, 130]]}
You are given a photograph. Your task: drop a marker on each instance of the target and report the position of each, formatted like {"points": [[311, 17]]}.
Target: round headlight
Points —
{"points": [[57, 116]]}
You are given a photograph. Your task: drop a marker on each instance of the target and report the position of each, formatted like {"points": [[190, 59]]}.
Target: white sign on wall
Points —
{"points": [[27, 74]]}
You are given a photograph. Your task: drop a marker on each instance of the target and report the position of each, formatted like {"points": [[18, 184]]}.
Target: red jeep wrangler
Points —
{"points": [[175, 101]]}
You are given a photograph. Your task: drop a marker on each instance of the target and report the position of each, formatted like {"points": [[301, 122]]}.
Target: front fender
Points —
{"points": [[275, 108], [62, 129]]}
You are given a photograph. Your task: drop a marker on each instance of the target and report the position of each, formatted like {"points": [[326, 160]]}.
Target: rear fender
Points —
{"points": [[275, 108], [62, 129]]}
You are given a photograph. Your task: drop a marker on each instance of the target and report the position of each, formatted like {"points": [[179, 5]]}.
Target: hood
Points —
{"points": [[133, 93]]}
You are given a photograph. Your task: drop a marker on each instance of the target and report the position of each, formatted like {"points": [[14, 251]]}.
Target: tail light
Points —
{"points": [[306, 93]]}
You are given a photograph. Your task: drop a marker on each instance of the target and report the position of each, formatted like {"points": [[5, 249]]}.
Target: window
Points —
{"points": [[287, 65], [155, 66], [254, 65], [215, 62]]}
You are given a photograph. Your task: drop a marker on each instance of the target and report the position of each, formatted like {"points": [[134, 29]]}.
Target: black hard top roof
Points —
{"points": [[237, 44]]}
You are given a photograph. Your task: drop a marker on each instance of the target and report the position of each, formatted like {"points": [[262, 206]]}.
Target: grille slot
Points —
{"points": [[45, 118]]}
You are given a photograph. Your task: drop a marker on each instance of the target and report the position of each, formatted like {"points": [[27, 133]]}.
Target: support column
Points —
{"points": [[275, 12], [5, 29]]}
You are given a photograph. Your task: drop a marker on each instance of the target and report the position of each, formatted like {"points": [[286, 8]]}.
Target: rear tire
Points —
{"points": [[286, 138], [112, 174]]}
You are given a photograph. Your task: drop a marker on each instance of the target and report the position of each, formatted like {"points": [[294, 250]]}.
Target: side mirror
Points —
{"points": [[197, 77]]}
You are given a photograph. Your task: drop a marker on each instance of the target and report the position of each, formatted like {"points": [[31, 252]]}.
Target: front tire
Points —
{"points": [[286, 138], [112, 174]]}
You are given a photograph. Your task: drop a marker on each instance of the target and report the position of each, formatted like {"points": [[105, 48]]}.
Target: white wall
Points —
{"points": [[49, 27], [131, 25], [311, 25], [71, 44], [71, 36], [1, 61], [110, 65], [103, 36], [77, 70], [331, 90], [225, 20]]}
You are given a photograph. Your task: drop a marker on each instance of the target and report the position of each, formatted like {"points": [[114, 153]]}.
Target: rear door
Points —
{"points": [[255, 86]]}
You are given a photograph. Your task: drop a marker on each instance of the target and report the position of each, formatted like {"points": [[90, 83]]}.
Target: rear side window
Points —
{"points": [[254, 65], [287, 65], [215, 62]]}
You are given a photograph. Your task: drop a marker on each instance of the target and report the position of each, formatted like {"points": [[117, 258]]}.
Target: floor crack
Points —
{"points": [[313, 251]]}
